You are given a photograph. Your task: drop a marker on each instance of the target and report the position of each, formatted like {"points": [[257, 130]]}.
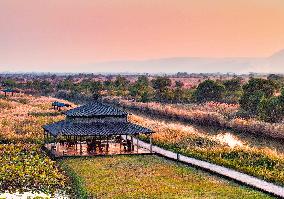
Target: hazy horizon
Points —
{"points": [[101, 36]]}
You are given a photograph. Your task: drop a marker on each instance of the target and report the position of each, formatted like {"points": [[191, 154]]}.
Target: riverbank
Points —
{"points": [[202, 117], [223, 149]]}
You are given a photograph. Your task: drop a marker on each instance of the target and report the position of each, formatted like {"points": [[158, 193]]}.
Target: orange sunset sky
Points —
{"points": [[52, 33]]}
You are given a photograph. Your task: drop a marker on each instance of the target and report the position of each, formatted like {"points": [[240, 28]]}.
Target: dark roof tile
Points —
{"points": [[97, 128], [95, 109]]}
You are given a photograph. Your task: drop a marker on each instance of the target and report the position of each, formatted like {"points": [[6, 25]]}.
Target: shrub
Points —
{"points": [[24, 167], [254, 92], [209, 90], [271, 110]]}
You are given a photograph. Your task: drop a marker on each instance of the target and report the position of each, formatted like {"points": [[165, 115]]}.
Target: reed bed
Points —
{"points": [[207, 114], [262, 162], [21, 118]]}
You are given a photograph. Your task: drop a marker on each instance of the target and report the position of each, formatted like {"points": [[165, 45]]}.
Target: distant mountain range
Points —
{"points": [[238, 65], [272, 64]]}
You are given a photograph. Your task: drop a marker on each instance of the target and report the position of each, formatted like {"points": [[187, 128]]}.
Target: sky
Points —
{"points": [[52, 34]]}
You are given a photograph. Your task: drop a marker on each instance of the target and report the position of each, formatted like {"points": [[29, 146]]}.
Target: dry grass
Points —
{"points": [[222, 149], [208, 114], [21, 118]]}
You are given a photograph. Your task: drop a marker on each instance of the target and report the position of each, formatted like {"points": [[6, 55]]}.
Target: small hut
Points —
{"points": [[94, 129], [8, 90], [58, 105]]}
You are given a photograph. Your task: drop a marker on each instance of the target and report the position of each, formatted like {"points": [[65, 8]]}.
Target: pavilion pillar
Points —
{"points": [[132, 144], [55, 143], [107, 145], [47, 134], [126, 139], [95, 143], [44, 136], [137, 143], [120, 143], [74, 141], [151, 145], [81, 151]]}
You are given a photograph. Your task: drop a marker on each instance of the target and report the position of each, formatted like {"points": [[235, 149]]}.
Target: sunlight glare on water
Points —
{"points": [[229, 139]]}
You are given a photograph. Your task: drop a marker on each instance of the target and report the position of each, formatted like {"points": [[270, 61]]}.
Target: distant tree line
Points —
{"points": [[262, 98]]}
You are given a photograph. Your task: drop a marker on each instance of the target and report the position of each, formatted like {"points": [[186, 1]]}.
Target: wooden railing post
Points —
{"points": [[151, 145]]}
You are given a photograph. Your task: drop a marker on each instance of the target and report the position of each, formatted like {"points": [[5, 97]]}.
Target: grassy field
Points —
{"points": [[24, 167], [150, 177]]}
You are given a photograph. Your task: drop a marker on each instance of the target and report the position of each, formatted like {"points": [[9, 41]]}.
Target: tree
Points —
{"points": [[180, 94], [109, 86], [85, 86], [121, 84], [66, 84], [255, 91], [182, 74], [278, 79], [45, 86], [275, 77], [96, 89], [141, 89], [42, 87], [250, 101], [268, 87], [179, 84], [9, 83], [233, 84], [281, 97], [271, 109], [161, 86], [233, 90], [209, 90]]}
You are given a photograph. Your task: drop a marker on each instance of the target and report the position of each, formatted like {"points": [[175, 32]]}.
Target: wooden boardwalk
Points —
{"points": [[229, 173]]}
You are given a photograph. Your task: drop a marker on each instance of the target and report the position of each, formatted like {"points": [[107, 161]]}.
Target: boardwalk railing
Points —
{"points": [[223, 171]]}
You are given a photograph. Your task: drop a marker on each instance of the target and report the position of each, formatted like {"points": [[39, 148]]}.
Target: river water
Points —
{"points": [[228, 137]]}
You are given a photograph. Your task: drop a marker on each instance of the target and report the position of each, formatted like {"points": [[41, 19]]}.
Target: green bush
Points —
{"points": [[209, 90], [271, 110], [24, 167], [255, 91]]}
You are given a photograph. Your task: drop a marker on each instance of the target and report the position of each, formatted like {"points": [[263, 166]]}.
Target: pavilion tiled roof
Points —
{"points": [[95, 109], [69, 128], [59, 104], [8, 90]]}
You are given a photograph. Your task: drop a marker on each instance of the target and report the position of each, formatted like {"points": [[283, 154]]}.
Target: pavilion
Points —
{"points": [[8, 90], [94, 129], [58, 105]]}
